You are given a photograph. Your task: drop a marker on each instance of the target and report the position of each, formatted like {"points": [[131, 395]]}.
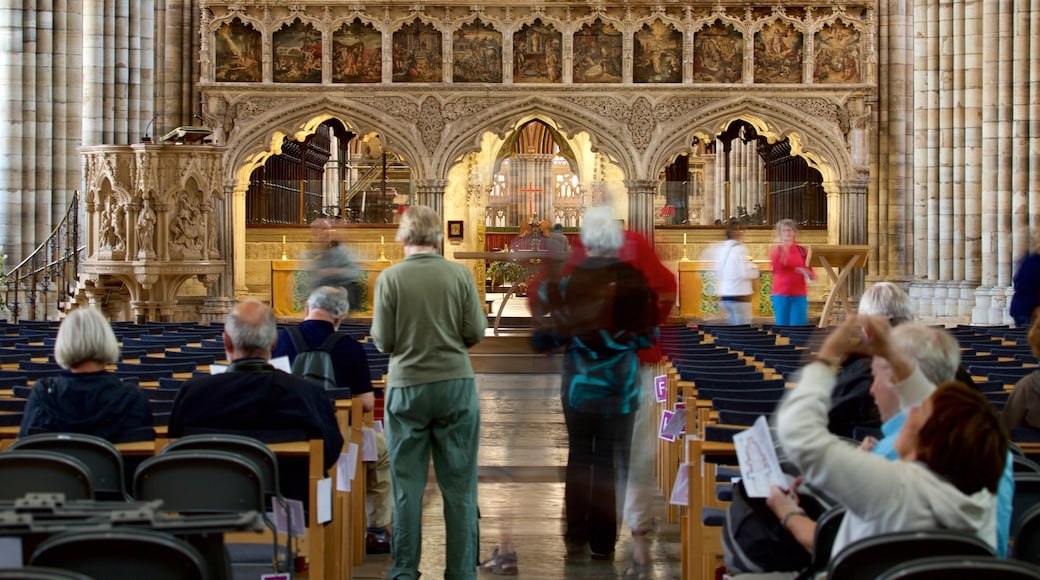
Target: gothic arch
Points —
{"points": [[263, 137], [506, 116], [816, 137]]}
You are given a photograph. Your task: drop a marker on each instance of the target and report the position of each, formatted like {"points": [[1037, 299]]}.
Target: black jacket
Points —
{"points": [[91, 403]]}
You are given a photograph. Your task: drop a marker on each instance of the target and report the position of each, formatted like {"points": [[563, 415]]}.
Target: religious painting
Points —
{"points": [[537, 54], [238, 54], [657, 52], [478, 54], [297, 54], [837, 54], [778, 54], [417, 54], [718, 54], [597, 54], [357, 54]]}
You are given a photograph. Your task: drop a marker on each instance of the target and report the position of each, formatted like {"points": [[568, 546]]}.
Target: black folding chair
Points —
{"points": [[101, 457], [122, 554], [35, 471], [962, 568], [870, 557]]}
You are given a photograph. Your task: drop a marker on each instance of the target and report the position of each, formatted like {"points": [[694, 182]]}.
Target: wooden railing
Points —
{"points": [[50, 269]]}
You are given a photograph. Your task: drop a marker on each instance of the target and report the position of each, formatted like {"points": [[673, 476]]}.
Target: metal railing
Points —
{"points": [[51, 268]]}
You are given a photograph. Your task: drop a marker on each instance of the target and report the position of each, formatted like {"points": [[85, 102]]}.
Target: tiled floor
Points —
{"points": [[522, 454]]}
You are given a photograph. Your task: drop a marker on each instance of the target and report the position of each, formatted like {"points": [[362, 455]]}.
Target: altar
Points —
{"points": [[291, 284], [698, 294]]}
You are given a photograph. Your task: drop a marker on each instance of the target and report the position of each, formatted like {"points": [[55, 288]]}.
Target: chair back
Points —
{"points": [[35, 471], [823, 540], [867, 558], [265, 460], [40, 573], [200, 482], [962, 568], [121, 554], [103, 459], [1027, 541], [1027, 495]]}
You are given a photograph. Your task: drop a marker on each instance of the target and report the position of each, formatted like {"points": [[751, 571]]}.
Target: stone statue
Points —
{"points": [[145, 229]]}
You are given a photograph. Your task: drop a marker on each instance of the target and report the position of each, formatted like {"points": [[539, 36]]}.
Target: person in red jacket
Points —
{"points": [[790, 276], [638, 485]]}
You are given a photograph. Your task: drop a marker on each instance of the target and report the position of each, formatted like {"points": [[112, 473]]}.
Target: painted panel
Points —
{"points": [[477, 50], [837, 54], [537, 54], [657, 53], [297, 54], [778, 54], [718, 55], [357, 54], [417, 54], [238, 54], [597, 54]]}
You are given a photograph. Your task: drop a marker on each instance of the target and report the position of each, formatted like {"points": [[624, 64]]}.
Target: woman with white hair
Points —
{"points": [[603, 312], [85, 397]]}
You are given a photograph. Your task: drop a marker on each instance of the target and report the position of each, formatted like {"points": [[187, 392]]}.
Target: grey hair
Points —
{"points": [[600, 231], [420, 226], [85, 335], [937, 352], [780, 225], [888, 300], [249, 334], [331, 299]]}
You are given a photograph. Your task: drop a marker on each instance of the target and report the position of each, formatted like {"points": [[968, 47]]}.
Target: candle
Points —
{"points": [[283, 239], [684, 239], [380, 240]]}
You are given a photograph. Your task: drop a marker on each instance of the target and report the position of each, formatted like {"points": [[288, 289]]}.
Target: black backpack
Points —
{"points": [[753, 540], [314, 364]]}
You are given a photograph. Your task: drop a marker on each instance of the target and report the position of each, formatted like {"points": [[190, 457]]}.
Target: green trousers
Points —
{"points": [[441, 420]]}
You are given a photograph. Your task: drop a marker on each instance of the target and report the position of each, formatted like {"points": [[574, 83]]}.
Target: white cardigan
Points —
{"points": [[880, 495]]}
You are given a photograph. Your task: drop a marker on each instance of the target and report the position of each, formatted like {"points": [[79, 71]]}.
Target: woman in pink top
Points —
{"points": [[790, 275]]}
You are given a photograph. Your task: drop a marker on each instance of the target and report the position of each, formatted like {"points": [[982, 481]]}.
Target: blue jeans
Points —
{"points": [[791, 310], [738, 312]]}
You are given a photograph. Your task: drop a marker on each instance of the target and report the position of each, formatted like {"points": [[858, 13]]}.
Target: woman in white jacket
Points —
{"points": [[735, 271], [952, 448]]}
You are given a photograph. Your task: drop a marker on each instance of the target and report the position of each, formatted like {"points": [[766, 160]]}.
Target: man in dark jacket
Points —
{"points": [[253, 398]]}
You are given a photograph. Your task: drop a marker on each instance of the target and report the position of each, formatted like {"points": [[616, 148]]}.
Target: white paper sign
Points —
{"points": [[759, 466], [215, 369], [346, 467], [281, 363], [675, 426], [681, 487], [324, 513], [281, 523], [368, 445]]}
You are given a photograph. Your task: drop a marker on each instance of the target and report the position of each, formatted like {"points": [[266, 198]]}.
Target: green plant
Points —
{"points": [[504, 272]]}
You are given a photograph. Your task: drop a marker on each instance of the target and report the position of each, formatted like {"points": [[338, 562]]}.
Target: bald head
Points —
{"points": [[250, 331]]}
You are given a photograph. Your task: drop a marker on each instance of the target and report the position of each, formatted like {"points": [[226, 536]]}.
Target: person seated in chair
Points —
{"points": [[952, 448], [253, 398], [85, 397], [326, 307]]}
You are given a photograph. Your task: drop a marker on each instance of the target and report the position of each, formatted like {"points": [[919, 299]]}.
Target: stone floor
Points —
{"points": [[523, 451]]}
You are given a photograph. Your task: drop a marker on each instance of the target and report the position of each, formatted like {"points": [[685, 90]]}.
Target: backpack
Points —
{"points": [[315, 364], [754, 542]]}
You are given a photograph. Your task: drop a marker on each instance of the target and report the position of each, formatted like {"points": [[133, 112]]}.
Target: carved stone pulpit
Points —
{"points": [[155, 216]]}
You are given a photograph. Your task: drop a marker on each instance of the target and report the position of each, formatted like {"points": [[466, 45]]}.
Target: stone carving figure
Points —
{"points": [[146, 229], [119, 226]]}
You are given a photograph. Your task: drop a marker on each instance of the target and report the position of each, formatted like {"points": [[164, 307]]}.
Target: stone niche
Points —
{"points": [[155, 218]]}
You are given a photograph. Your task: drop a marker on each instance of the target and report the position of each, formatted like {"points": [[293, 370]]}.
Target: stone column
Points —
{"points": [[708, 192], [641, 194], [238, 234], [430, 192]]}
